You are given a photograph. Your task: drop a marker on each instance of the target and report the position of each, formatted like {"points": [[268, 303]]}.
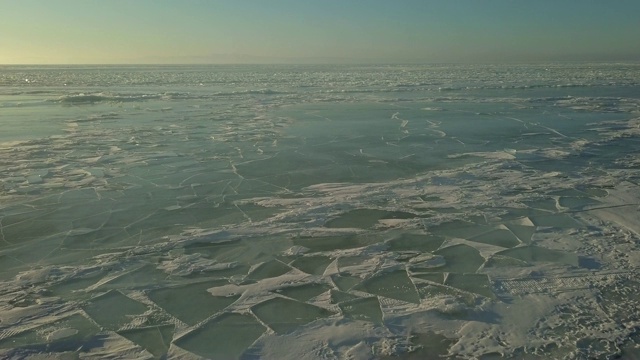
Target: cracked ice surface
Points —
{"points": [[317, 212]]}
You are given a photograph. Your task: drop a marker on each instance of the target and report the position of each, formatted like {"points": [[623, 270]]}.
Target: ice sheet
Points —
{"points": [[332, 212]]}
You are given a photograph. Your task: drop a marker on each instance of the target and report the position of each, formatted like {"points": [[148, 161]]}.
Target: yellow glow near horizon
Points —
{"points": [[168, 31]]}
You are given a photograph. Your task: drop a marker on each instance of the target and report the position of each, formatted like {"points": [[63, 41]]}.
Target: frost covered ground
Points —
{"points": [[313, 212]]}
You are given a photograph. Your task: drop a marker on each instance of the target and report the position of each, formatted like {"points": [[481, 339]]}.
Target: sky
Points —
{"points": [[317, 31]]}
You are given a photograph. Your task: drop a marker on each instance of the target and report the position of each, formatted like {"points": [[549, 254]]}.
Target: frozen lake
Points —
{"points": [[308, 212]]}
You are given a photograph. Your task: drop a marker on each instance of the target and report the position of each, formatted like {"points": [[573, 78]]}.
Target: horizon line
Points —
{"points": [[531, 62]]}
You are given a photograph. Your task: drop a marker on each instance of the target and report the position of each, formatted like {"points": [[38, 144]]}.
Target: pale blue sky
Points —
{"points": [[196, 31]]}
